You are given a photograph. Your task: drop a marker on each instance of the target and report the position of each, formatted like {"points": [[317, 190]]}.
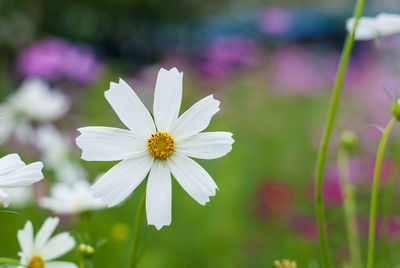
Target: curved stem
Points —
{"points": [[136, 231], [389, 194], [349, 207], [9, 261], [374, 193], [337, 88]]}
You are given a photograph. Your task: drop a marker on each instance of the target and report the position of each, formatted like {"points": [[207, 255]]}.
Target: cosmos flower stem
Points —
{"points": [[374, 193], [389, 196], [349, 207], [9, 261], [136, 231], [337, 88]]}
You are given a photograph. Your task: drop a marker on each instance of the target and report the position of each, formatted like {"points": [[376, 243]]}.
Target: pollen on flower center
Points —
{"points": [[36, 262], [161, 145]]}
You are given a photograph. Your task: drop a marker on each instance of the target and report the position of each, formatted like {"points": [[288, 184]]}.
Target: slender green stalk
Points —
{"points": [[337, 88], [136, 231], [82, 263], [349, 207], [389, 195], [9, 261], [374, 193]]}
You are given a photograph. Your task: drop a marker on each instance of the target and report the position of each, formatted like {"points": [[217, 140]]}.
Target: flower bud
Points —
{"points": [[348, 140], [396, 109], [87, 251]]}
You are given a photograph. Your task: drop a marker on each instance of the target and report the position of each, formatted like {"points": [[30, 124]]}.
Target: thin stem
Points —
{"points": [[82, 263], [349, 207], [374, 193], [136, 231], [9, 261], [337, 88], [390, 191]]}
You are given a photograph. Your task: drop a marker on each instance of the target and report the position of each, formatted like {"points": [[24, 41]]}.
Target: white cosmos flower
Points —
{"points": [[33, 101], [14, 173], [40, 251], [156, 147], [71, 198], [373, 27]]}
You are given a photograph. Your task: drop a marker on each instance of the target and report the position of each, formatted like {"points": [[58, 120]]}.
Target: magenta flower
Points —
{"points": [[54, 59], [226, 55], [274, 21]]}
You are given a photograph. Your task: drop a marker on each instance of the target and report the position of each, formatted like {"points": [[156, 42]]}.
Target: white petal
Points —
{"points": [[58, 246], [159, 195], [196, 118], [367, 28], [25, 238], [5, 199], [130, 109], [45, 232], [23, 176], [110, 144], [10, 163], [60, 264], [388, 23], [167, 98], [117, 183], [206, 145], [192, 177]]}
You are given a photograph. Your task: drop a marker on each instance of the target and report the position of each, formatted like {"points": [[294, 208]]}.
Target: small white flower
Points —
{"points": [[56, 153], [373, 27], [39, 251], [33, 101], [156, 147], [14, 173], [71, 198]]}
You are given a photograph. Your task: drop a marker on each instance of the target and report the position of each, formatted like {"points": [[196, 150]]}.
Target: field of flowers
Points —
{"points": [[134, 138]]}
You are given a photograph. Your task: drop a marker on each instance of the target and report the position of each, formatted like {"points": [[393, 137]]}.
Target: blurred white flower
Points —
{"points": [[37, 101], [373, 27], [33, 101], [72, 198], [14, 173], [39, 251], [56, 153], [160, 146], [20, 197]]}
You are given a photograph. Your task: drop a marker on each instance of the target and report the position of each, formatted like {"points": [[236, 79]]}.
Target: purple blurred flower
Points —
{"points": [[305, 227], [225, 55], [54, 59], [274, 199], [297, 70], [274, 21]]}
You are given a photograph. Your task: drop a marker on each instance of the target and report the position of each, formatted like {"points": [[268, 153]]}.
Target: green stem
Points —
{"points": [[390, 191], [349, 207], [136, 231], [82, 263], [337, 88], [374, 193], [9, 261]]}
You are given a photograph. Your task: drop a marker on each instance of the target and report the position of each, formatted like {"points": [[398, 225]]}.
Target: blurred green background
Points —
{"points": [[272, 66]]}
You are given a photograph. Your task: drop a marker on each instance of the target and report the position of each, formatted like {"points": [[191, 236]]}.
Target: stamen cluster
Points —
{"points": [[161, 145], [285, 264], [36, 262]]}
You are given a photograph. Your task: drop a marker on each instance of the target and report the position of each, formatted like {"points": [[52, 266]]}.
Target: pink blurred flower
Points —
{"points": [[225, 55], [274, 21], [305, 227], [274, 198], [297, 70], [54, 59]]}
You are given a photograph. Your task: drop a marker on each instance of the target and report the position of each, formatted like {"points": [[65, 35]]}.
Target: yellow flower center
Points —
{"points": [[285, 264], [36, 262], [161, 145]]}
